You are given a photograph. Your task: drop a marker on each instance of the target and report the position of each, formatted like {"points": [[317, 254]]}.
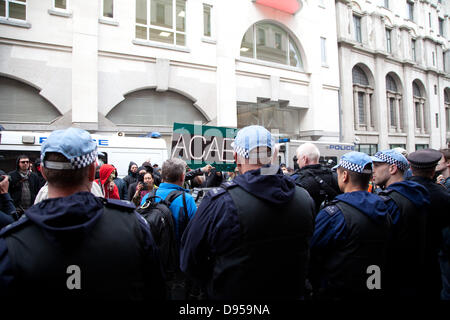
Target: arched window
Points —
{"points": [[447, 107], [269, 42], [359, 76], [149, 107], [21, 103], [362, 100], [419, 107], [394, 102]]}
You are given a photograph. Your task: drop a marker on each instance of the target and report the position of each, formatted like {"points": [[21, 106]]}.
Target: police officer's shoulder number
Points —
{"points": [[216, 192], [332, 208]]}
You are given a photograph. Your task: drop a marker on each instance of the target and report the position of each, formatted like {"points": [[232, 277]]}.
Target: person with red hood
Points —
{"points": [[107, 175]]}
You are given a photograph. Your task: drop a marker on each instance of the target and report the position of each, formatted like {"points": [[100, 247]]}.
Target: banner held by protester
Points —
{"points": [[200, 145]]}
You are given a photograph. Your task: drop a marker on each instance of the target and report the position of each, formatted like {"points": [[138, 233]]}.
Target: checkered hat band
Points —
{"points": [[351, 166], [241, 151], [75, 163], [388, 159], [84, 160]]}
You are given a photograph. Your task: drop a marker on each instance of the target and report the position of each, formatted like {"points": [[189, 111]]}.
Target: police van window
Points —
{"points": [[8, 158]]}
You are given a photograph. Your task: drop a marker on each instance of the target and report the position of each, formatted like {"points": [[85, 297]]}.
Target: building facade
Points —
{"points": [[394, 66], [137, 66]]}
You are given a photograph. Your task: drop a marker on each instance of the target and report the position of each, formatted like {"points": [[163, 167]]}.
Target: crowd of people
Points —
{"points": [[371, 227]]}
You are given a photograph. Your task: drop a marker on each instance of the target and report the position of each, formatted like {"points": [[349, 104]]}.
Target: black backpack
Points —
{"points": [[162, 226]]}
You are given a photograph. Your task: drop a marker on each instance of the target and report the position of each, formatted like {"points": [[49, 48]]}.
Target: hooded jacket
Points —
{"points": [[132, 176], [105, 171], [346, 243], [222, 250], [108, 242]]}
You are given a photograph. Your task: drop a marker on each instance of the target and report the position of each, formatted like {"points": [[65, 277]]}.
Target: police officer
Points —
{"points": [[423, 165], [75, 245], [350, 236], [407, 202], [249, 238], [318, 180]]}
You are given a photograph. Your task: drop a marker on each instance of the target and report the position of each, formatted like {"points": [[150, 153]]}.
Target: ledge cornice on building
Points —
{"points": [[32, 44], [409, 63], [367, 133], [316, 134], [432, 70], [406, 27], [126, 56], [382, 54]]}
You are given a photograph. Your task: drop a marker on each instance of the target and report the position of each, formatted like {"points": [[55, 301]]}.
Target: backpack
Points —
{"points": [[162, 225]]}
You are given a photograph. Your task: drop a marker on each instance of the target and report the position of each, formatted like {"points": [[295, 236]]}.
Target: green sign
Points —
{"points": [[201, 145]]}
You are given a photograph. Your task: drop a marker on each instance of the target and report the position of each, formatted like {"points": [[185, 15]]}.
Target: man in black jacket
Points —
{"points": [[24, 184], [319, 181]]}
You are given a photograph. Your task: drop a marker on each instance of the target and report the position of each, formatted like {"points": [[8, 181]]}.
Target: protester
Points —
{"points": [[75, 246], [37, 170], [140, 179], [423, 165], [132, 175], [249, 238], [106, 182], [183, 208], [351, 234], [121, 186], [443, 169], [407, 202], [143, 188], [318, 180], [24, 185], [7, 210]]}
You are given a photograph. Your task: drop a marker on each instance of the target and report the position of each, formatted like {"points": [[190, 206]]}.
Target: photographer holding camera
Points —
{"points": [[143, 187], [7, 209]]}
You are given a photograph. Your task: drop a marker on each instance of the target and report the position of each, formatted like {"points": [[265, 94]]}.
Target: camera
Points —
{"points": [[5, 176]]}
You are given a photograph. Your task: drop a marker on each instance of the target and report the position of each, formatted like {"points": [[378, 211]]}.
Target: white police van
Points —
{"points": [[330, 152], [116, 150]]}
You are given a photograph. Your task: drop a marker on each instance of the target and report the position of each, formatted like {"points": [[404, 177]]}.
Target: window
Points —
{"points": [[419, 107], [268, 42], [362, 100], [13, 9], [369, 149], [441, 27], [388, 41], [161, 21], [410, 5], [386, 4], [433, 54], [108, 9], [60, 4], [394, 103], [261, 37], [413, 50], [357, 27], [397, 145], [323, 50], [437, 119], [429, 19], [207, 20], [447, 108], [421, 146]]}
